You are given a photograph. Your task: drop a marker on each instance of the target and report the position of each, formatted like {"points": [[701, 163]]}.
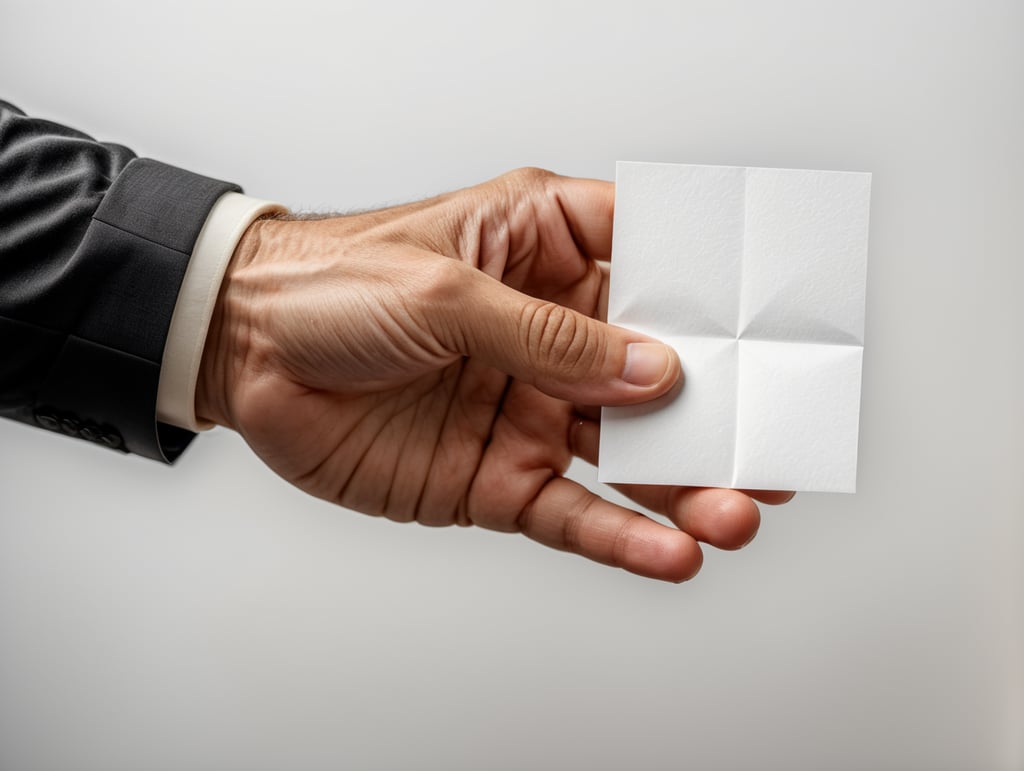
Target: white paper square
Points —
{"points": [[699, 408], [813, 447], [804, 255], [757, 278], [694, 222]]}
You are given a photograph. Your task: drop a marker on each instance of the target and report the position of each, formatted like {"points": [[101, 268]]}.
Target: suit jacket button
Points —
{"points": [[90, 433], [48, 420], [111, 439], [70, 426]]}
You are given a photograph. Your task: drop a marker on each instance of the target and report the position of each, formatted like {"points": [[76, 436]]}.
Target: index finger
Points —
{"points": [[588, 206]]}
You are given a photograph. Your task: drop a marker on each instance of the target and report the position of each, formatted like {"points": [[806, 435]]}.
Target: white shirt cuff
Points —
{"points": [[186, 337]]}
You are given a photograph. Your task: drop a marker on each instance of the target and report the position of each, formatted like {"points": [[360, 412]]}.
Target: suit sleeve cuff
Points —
{"points": [[183, 353]]}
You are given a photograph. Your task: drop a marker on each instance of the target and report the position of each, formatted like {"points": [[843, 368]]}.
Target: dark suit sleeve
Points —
{"points": [[94, 243]]}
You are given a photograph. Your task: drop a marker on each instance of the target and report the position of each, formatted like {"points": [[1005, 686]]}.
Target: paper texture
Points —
{"points": [[756, 277]]}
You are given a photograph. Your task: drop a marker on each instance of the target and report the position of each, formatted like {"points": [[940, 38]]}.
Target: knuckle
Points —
{"points": [[558, 334], [574, 523], [424, 308], [440, 281], [528, 177], [621, 541]]}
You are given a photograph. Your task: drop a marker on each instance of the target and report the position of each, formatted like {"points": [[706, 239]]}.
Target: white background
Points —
{"points": [[208, 616]]}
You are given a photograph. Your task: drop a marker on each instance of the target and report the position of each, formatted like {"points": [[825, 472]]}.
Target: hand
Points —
{"points": [[441, 362]]}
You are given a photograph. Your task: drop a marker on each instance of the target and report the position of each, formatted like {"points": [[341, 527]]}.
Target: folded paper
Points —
{"points": [[756, 277]]}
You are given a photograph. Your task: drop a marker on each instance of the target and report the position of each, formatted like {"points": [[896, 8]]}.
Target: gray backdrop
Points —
{"points": [[208, 616]]}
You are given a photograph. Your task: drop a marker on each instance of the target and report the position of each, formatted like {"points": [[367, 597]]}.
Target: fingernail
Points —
{"points": [[646, 363]]}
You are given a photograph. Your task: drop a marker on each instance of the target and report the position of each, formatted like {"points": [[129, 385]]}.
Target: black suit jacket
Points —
{"points": [[94, 243]]}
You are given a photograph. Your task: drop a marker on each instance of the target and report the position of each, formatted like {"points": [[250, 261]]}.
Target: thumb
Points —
{"points": [[563, 352]]}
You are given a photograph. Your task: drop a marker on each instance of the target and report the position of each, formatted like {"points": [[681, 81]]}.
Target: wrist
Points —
{"points": [[187, 334], [228, 338]]}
